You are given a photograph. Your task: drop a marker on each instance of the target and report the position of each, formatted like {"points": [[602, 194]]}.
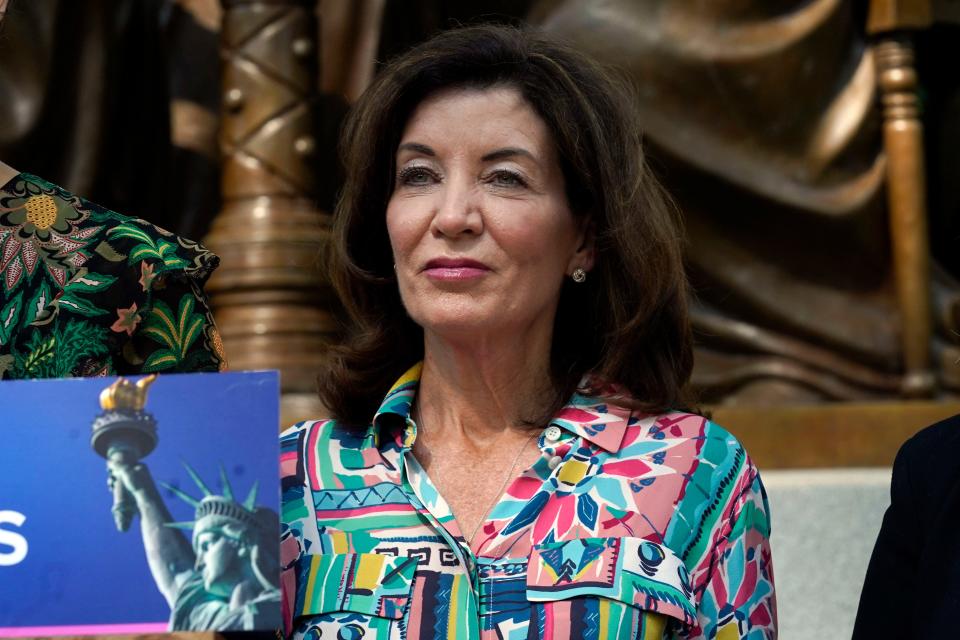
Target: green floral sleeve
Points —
{"points": [[85, 291]]}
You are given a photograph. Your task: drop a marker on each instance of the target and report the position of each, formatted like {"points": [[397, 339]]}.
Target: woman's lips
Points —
{"points": [[454, 269]]}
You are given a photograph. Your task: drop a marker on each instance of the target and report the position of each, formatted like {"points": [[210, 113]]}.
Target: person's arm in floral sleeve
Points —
{"points": [[175, 333], [737, 599]]}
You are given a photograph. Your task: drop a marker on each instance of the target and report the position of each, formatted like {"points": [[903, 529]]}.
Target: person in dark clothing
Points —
{"points": [[912, 587]]}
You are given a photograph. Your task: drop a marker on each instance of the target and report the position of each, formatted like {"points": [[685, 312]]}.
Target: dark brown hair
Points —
{"points": [[627, 324]]}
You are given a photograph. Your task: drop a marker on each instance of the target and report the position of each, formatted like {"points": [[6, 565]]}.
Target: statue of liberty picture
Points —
{"points": [[184, 533]]}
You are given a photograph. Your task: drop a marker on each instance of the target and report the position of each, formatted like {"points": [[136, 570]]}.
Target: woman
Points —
{"points": [[528, 477]]}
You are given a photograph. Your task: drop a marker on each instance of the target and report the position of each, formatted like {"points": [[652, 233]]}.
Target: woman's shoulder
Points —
{"points": [[692, 481], [323, 458], [326, 426], [323, 437], [689, 457], [690, 436]]}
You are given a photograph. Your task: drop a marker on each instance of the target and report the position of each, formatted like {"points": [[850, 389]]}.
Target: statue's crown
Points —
{"points": [[124, 395], [221, 507], [215, 507]]}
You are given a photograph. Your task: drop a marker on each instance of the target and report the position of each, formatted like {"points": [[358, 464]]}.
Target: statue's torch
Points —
{"points": [[124, 433]]}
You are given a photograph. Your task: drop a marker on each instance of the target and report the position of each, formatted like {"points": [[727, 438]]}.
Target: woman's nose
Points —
{"points": [[459, 210]]}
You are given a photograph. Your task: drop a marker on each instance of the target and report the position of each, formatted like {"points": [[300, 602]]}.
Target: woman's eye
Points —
{"points": [[505, 178], [415, 176]]}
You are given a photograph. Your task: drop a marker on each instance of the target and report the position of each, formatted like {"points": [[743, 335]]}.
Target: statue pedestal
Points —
{"points": [[829, 435]]}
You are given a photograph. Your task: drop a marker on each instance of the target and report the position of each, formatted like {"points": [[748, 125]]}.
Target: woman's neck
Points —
{"points": [[7, 173], [476, 392]]}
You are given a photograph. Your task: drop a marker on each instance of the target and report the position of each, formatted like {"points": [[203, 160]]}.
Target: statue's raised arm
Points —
{"points": [[169, 554]]}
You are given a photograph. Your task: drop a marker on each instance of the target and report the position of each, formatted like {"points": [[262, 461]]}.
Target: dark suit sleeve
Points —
{"points": [[892, 574]]}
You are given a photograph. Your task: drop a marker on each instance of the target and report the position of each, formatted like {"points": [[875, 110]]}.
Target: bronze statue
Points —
{"points": [[764, 119]]}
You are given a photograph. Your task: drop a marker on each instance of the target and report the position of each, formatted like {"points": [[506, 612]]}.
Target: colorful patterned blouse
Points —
{"points": [[627, 526], [85, 291]]}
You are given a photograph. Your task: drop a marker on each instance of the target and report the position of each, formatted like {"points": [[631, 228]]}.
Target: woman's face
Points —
{"points": [[481, 231]]}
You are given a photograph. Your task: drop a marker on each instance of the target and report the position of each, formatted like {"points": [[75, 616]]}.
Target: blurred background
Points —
{"points": [[812, 147]]}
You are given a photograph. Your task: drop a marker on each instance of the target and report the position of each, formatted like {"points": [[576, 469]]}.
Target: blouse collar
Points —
{"points": [[594, 419]]}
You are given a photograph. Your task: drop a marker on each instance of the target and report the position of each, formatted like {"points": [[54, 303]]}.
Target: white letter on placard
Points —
{"points": [[13, 540]]}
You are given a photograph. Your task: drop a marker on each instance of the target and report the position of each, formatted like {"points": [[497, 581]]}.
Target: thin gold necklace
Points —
{"points": [[506, 479], [499, 493]]}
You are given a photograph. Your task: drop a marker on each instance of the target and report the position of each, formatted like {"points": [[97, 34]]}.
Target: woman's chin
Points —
{"points": [[455, 325]]}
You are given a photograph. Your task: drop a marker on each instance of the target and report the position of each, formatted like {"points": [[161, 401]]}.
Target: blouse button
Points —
{"points": [[552, 434], [555, 462]]}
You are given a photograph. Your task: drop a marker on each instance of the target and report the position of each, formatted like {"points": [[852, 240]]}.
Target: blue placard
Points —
{"points": [[64, 566]]}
